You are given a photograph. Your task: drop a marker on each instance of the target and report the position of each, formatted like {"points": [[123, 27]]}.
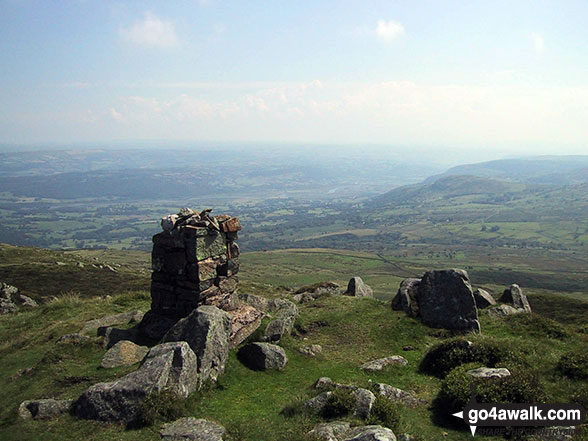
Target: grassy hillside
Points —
{"points": [[249, 404]]}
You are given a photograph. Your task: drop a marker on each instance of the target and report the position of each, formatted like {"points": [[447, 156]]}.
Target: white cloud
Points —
{"points": [[388, 31], [538, 42], [151, 31], [116, 115]]}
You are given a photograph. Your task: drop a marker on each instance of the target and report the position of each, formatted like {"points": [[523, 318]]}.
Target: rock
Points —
{"points": [[112, 336], [123, 318], [262, 356], [303, 298], [310, 350], [11, 300], [318, 402], [483, 299], [324, 383], [406, 437], [123, 353], [329, 431], [170, 366], [405, 300], [381, 363], [43, 409], [364, 401], [154, 325], [191, 428], [446, 300], [503, 310], [356, 287], [395, 394], [23, 300], [514, 296], [485, 372], [369, 433], [72, 339], [277, 328], [320, 289], [7, 306], [7, 291], [245, 321], [284, 314], [207, 330]]}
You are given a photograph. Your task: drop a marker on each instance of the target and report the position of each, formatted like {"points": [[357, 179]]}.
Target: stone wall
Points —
{"points": [[195, 262]]}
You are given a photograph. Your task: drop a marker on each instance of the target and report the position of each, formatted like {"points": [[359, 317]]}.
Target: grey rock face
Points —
{"points": [[191, 428], [381, 363], [318, 402], [515, 296], [330, 431], [395, 394], [170, 366], [405, 300], [501, 311], [91, 327], [485, 372], [483, 299], [154, 325], [262, 356], [123, 353], [207, 330], [369, 433], [356, 287], [364, 401], [446, 300], [43, 409]]}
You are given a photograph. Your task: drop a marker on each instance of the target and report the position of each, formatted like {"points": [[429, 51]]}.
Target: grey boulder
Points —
{"points": [[262, 356], [129, 317], [207, 330], [486, 372], [356, 287], [405, 299], [364, 401], [124, 353], [483, 299], [515, 296], [369, 433], [330, 431], [502, 311], [43, 409], [190, 428], [381, 363], [396, 394]]}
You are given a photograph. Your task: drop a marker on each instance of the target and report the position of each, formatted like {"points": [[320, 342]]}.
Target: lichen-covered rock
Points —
{"points": [[170, 366], [405, 300], [72, 339], [277, 328], [311, 350], [369, 433], [320, 289], [501, 311], [486, 372], [123, 353], [356, 287], [329, 431], [111, 336], [381, 363], [245, 321], [318, 402], [43, 409], [192, 429], [483, 299], [446, 300], [395, 394], [11, 300], [262, 356], [324, 383], [207, 330], [515, 296], [364, 401]]}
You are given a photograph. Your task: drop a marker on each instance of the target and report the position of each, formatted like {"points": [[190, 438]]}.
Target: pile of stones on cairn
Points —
{"points": [[195, 262]]}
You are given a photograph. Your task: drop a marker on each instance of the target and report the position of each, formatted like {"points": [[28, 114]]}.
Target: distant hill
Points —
{"points": [[548, 170]]}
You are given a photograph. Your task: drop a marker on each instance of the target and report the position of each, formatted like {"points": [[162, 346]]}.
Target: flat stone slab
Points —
{"points": [[190, 428], [124, 353], [381, 363]]}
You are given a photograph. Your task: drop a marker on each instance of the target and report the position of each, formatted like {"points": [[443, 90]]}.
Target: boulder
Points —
{"points": [[43, 409], [515, 296], [72, 339], [262, 356], [303, 298], [446, 300], [154, 325], [320, 289], [381, 363], [277, 328], [398, 395], [369, 433], [502, 311], [171, 366], [364, 401], [207, 330], [324, 383], [405, 300], [123, 353], [329, 431], [356, 287], [486, 372], [192, 429], [311, 350], [318, 402], [11, 300], [483, 299], [111, 336], [123, 318], [245, 321]]}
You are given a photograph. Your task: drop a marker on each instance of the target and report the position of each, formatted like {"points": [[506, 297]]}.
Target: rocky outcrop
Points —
{"points": [[192, 429], [405, 300], [11, 300], [43, 409], [171, 366], [446, 300], [207, 330], [398, 395], [262, 356], [282, 311], [483, 299], [356, 287], [381, 363], [123, 353], [515, 296]]}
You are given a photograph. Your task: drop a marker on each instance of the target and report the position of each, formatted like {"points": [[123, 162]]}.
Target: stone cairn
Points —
{"points": [[195, 262]]}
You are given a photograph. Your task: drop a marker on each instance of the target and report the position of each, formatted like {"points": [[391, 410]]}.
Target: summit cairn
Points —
{"points": [[195, 262]]}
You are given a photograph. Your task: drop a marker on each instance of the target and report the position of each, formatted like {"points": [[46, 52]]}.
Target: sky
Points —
{"points": [[493, 76]]}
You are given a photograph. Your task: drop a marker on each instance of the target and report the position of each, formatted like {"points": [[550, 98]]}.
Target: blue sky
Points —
{"points": [[505, 76]]}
